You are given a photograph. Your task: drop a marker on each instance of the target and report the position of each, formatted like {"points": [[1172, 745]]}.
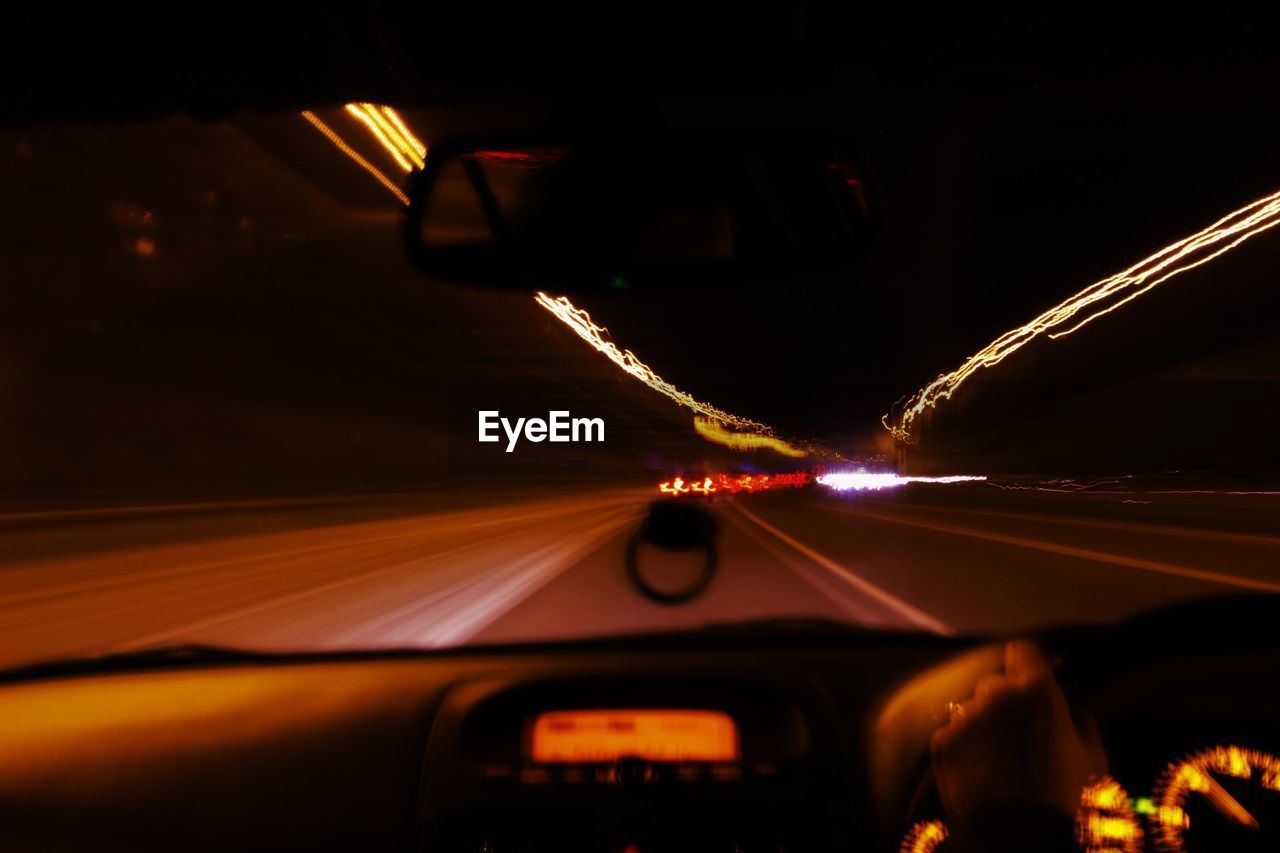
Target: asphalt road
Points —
{"points": [[435, 570]]}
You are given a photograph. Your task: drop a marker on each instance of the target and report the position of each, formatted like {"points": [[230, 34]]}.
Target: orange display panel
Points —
{"points": [[653, 735]]}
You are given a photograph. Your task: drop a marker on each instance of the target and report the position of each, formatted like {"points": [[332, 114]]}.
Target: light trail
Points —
{"points": [[1124, 484], [418, 146], [1098, 299], [389, 130], [732, 483], [341, 145], [867, 481], [1067, 485], [583, 326], [744, 442], [404, 148]]}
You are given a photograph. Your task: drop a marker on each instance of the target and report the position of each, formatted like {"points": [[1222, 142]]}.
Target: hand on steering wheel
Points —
{"points": [[1015, 739]]}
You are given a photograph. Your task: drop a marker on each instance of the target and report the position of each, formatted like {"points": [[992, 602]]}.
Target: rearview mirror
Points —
{"points": [[640, 210], [674, 526]]}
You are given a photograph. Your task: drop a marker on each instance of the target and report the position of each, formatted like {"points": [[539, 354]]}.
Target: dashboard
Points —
{"points": [[763, 740], [1190, 724]]}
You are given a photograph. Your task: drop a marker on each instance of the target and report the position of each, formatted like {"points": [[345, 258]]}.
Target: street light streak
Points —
{"points": [[386, 135], [744, 442], [416, 144], [410, 146], [1099, 298], [371, 123], [583, 326], [869, 481], [390, 132], [342, 146]]}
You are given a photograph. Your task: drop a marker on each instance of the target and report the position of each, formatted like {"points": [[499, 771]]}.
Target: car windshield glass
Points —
{"points": [[233, 412]]}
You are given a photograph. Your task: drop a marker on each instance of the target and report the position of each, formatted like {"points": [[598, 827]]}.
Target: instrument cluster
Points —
{"points": [[1219, 799]]}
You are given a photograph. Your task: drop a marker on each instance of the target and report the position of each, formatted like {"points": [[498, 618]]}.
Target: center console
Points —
{"points": [[630, 766]]}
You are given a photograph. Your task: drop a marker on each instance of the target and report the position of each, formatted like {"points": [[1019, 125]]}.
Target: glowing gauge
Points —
{"points": [[923, 837], [1224, 799], [1105, 821], [653, 735]]}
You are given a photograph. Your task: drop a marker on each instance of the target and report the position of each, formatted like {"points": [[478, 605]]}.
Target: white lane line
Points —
{"points": [[909, 611], [1145, 528], [856, 606], [1071, 551]]}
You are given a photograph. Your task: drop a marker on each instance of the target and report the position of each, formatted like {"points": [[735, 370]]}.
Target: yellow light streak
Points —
{"points": [[406, 143], [386, 133], [342, 146], [403, 129], [1096, 300], [582, 325], [377, 125], [744, 442]]}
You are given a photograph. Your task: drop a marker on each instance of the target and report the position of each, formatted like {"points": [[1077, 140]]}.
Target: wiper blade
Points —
{"points": [[157, 658]]}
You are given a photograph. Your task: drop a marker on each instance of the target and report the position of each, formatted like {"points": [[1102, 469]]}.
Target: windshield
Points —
{"points": [[232, 412]]}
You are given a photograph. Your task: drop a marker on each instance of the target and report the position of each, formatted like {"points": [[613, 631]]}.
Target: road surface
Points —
{"points": [[433, 571]]}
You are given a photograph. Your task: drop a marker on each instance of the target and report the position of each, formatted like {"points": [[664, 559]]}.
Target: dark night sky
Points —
{"points": [[991, 210], [277, 340]]}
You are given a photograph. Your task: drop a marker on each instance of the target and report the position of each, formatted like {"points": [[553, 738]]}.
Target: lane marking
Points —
{"points": [[1069, 551], [888, 599], [837, 594], [1126, 526]]}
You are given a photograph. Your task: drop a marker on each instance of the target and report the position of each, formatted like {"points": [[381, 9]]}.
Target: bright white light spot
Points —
{"points": [[866, 481]]}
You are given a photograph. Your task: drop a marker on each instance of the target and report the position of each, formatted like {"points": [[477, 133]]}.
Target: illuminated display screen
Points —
{"points": [[654, 735]]}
